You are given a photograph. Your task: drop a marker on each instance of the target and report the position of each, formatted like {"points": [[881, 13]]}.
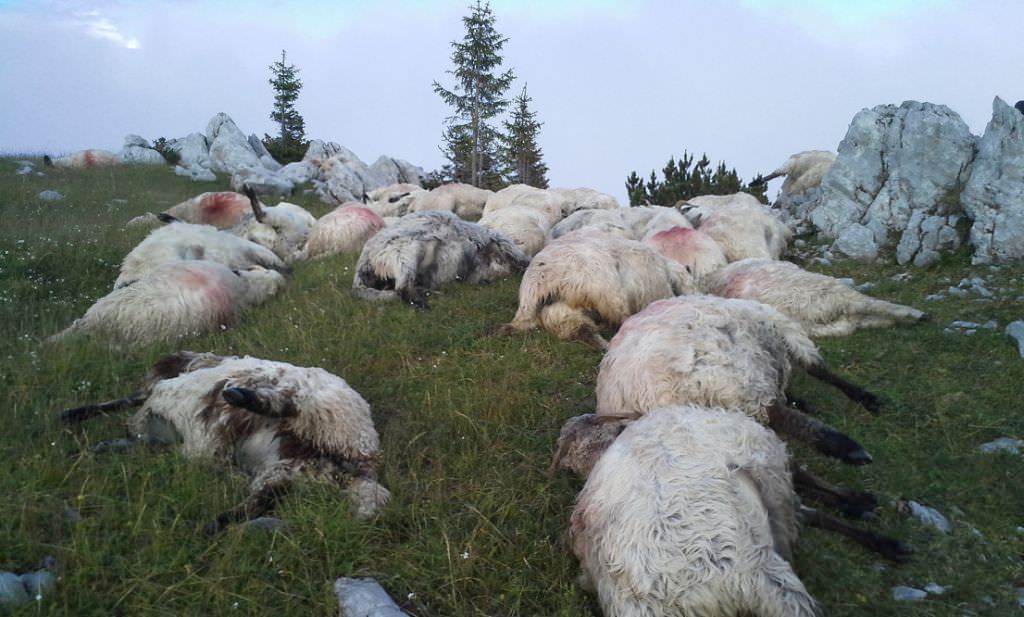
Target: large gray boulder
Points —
{"points": [[300, 171], [895, 184], [994, 195], [392, 171], [229, 148], [194, 150], [263, 181], [137, 150], [261, 151]]}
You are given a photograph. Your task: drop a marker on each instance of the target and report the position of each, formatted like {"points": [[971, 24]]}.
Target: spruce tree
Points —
{"points": [[523, 157], [478, 96], [290, 143], [681, 182]]}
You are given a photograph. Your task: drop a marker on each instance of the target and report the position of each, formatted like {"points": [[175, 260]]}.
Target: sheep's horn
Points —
{"points": [[163, 217], [395, 198], [257, 209]]}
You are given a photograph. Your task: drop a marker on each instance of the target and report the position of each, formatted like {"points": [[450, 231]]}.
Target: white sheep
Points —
{"points": [[396, 204], [691, 511], [581, 198], [87, 159], [823, 305], [803, 171], [717, 352], [587, 278], [174, 300], [608, 221], [185, 241], [465, 200], [690, 247], [387, 193], [741, 226], [427, 249], [525, 226], [342, 230], [278, 422], [548, 203], [222, 209], [643, 219]]}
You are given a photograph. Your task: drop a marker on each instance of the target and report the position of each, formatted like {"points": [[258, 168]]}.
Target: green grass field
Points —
{"points": [[468, 423]]}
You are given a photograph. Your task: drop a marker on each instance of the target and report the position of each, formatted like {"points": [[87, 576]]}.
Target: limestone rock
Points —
{"points": [[194, 150], [261, 151], [50, 196], [300, 172], [12, 590], [197, 173], [263, 181], [994, 194], [229, 148], [896, 175], [137, 150], [1015, 330], [904, 594], [364, 597]]}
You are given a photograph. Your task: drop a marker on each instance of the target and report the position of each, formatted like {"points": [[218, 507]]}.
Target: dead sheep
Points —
{"points": [[389, 192], [823, 305], [803, 171], [691, 511], [465, 200], [644, 220], [186, 242], [690, 247], [717, 352], [590, 278], [87, 159], [278, 422], [527, 227], [741, 225], [427, 249], [608, 221], [583, 198], [174, 300], [283, 228], [550, 204], [341, 231]]}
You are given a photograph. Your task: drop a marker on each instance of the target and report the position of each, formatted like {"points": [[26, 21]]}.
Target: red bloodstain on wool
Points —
{"points": [[223, 209]]}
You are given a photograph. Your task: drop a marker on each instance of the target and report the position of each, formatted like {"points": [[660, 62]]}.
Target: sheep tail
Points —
{"points": [[81, 414]]}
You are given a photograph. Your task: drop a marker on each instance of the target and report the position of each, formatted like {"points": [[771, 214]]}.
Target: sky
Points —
{"points": [[619, 85]]}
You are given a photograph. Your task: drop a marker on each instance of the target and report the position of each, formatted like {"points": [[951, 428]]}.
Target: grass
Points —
{"points": [[468, 423]]}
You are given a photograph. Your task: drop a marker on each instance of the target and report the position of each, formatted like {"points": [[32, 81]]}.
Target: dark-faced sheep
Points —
{"points": [[186, 242], [590, 278], [823, 305], [716, 352], [427, 249], [174, 300], [278, 422]]}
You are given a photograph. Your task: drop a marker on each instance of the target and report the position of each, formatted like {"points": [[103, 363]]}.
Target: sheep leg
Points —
{"points": [[855, 504], [827, 440], [261, 500], [86, 412], [890, 548], [852, 391], [260, 401], [571, 324]]}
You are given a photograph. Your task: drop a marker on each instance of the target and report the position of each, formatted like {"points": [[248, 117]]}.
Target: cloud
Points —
{"points": [[846, 12], [100, 27]]}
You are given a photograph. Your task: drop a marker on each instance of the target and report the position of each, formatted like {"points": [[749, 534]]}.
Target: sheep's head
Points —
{"points": [[260, 283], [584, 439]]}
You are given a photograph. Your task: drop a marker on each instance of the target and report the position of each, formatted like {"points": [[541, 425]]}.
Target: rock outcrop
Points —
{"points": [[994, 195]]}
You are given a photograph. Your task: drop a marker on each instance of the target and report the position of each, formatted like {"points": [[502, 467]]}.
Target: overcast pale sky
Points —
{"points": [[620, 85]]}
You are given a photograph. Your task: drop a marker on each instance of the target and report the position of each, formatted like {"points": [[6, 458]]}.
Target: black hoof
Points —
{"points": [[870, 402], [857, 457], [241, 397], [893, 549]]}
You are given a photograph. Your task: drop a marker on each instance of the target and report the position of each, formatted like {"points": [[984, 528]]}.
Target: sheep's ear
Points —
{"points": [[260, 401]]}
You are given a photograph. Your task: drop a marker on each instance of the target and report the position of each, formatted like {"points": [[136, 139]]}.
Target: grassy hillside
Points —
{"points": [[477, 525]]}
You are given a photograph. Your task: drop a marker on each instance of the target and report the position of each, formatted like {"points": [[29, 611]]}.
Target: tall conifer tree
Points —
{"points": [[523, 157], [478, 96], [290, 143]]}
